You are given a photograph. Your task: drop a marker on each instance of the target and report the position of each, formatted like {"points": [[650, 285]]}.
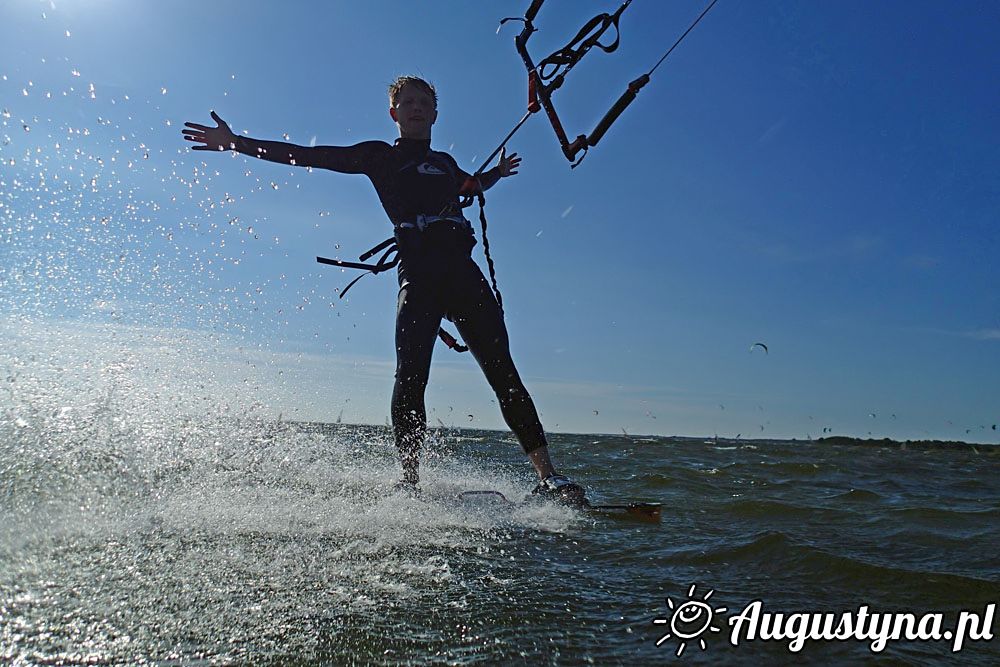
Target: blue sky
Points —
{"points": [[821, 177]]}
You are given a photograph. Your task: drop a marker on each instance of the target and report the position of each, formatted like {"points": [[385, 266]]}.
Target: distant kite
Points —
{"points": [[761, 345]]}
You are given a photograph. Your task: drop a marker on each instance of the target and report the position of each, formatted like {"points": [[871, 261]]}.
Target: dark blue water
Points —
{"points": [[134, 537]]}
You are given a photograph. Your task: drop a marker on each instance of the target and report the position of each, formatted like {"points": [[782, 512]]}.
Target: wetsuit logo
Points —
{"points": [[428, 168]]}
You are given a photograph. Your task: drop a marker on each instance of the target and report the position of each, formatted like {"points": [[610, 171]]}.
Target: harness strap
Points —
{"points": [[388, 260], [384, 244], [451, 341], [422, 222]]}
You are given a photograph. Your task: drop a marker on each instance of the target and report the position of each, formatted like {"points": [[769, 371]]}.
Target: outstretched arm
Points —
{"points": [[355, 159], [506, 166]]}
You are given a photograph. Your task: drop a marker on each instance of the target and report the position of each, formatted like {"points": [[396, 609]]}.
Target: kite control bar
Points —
{"points": [[549, 75]]}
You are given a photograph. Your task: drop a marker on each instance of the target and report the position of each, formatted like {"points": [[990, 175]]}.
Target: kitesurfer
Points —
{"points": [[419, 188]]}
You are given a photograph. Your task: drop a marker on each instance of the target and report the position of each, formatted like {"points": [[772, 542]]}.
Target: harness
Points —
{"points": [[390, 259]]}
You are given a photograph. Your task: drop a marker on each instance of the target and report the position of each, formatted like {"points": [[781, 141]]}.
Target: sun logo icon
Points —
{"points": [[690, 620]]}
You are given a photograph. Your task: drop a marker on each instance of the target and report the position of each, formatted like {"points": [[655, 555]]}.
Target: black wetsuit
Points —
{"points": [[437, 277]]}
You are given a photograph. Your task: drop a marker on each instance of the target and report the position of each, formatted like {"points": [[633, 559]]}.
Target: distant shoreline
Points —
{"points": [[920, 445], [835, 440]]}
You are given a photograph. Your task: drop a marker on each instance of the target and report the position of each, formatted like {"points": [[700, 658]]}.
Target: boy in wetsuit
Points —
{"points": [[419, 189]]}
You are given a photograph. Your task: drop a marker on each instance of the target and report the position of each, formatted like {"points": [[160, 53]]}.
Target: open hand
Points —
{"points": [[219, 138], [508, 165]]}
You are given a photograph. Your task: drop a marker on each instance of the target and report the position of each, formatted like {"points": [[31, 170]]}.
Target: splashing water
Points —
{"points": [[156, 507], [145, 517]]}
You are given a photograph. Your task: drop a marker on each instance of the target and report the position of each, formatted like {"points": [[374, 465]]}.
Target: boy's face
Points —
{"points": [[413, 112]]}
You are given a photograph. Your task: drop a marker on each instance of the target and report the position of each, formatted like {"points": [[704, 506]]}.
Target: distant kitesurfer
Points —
{"points": [[419, 189]]}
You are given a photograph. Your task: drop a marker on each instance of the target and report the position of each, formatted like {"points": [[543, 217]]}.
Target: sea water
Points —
{"points": [[139, 529]]}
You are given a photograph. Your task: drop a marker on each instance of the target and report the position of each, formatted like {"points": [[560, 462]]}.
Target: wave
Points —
{"points": [[782, 556], [857, 496], [763, 508], [940, 515]]}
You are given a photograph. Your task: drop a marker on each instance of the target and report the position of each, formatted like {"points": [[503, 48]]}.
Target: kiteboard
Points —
{"points": [[638, 511]]}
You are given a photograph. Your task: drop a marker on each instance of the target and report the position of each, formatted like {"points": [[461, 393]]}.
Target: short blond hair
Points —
{"points": [[401, 81]]}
